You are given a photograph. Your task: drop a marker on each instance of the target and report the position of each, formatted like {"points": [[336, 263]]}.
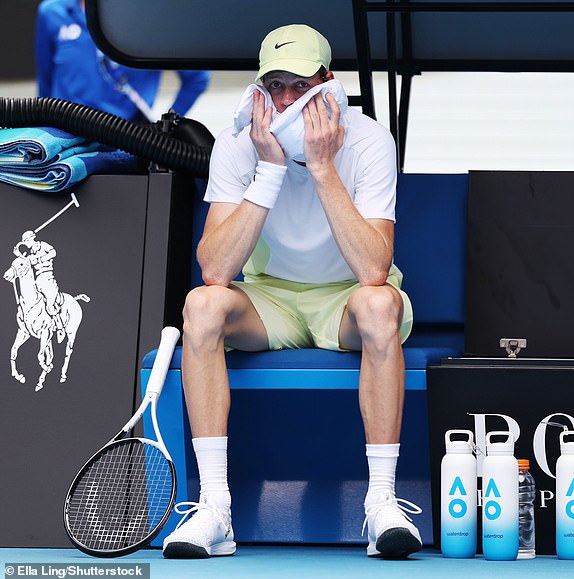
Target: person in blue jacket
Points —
{"points": [[69, 66]]}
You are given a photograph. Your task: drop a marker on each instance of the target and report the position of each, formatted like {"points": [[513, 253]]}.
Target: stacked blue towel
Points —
{"points": [[48, 159]]}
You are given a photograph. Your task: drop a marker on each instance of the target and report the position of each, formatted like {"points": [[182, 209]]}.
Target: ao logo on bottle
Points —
{"points": [[569, 508], [457, 507], [492, 508]]}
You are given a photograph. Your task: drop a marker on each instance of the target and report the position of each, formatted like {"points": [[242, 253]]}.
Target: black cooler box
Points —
{"points": [[518, 369]]}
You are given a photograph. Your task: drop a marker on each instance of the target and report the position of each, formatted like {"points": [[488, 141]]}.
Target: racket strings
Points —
{"points": [[121, 497]]}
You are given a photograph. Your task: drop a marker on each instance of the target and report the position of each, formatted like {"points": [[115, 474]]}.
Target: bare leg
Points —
{"points": [[371, 322], [212, 315]]}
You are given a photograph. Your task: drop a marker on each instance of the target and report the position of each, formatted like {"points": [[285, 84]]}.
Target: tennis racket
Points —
{"points": [[124, 494]]}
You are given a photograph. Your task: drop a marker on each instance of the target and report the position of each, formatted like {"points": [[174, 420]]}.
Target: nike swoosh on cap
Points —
{"points": [[277, 45]]}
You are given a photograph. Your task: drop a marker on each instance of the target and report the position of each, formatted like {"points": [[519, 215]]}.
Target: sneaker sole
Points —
{"points": [[395, 543], [183, 550]]}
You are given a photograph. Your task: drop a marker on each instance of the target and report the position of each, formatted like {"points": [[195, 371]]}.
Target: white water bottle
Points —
{"points": [[565, 497], [458, 496], [500, 499]]}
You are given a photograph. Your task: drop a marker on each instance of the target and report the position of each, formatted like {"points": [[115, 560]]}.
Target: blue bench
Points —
{"points": [[299, 407]]}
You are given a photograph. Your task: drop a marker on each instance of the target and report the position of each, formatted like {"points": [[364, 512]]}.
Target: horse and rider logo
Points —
{"points": [[42, 309]]}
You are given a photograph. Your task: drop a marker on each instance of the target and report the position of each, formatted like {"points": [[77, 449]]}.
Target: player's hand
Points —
{"points": [[323, 135], [265, 142]]}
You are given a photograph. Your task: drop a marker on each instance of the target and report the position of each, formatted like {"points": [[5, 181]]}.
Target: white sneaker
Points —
{"points": [[207, 533], [391, 532]]}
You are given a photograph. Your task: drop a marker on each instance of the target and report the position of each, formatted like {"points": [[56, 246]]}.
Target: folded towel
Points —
{"points": [[49, 159], [289, 126]]}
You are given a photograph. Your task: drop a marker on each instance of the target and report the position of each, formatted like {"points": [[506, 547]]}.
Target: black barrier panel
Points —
{"points": [[226, 34], [17, 39], [487, 395], [520, 272], [108, 249]]}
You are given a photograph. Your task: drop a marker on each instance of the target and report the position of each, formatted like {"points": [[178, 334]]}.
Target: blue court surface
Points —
{"points": [[290, 561]]}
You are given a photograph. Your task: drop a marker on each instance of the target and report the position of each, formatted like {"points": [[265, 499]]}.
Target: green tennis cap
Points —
{"points": [[296, 48]]}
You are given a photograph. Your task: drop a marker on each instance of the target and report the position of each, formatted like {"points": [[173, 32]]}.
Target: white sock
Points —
{"points": [[211, 455], [382, 460]]}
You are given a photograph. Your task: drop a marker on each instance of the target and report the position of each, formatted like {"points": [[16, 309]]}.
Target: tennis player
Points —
{"points": [[314, 240]]}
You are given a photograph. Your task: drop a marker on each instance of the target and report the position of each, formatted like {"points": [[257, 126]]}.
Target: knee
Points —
{"points": [[204, 312], [377, 312]]}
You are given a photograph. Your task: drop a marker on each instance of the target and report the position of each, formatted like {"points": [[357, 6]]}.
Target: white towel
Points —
{"points": [[289, 126]]}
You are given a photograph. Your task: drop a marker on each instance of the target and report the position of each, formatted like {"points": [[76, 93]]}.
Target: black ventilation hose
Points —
{"points": [[147, 141]]}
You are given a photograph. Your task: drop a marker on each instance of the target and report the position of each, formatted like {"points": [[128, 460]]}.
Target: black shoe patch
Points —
{"points": [[397, 543], [182, 550]]}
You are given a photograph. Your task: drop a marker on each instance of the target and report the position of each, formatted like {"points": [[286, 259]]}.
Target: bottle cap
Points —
{"points": [[565, 446], [505, 447], [523, 464], [461, 446]]}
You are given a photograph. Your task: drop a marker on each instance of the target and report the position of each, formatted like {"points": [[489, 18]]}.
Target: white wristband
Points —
{"points": [[266, 184]]}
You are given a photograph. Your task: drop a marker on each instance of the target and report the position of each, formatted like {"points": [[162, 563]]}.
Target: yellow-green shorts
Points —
{"points": [[303, 315]]}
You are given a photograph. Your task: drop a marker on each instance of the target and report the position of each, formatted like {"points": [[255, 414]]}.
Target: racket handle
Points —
{"points": [[169, 338]]}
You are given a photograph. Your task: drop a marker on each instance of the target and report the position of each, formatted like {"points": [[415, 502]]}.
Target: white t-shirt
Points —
{"points": [[296, 242]]}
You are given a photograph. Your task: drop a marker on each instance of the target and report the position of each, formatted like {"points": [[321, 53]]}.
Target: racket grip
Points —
{"points": [[169, 338]]}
